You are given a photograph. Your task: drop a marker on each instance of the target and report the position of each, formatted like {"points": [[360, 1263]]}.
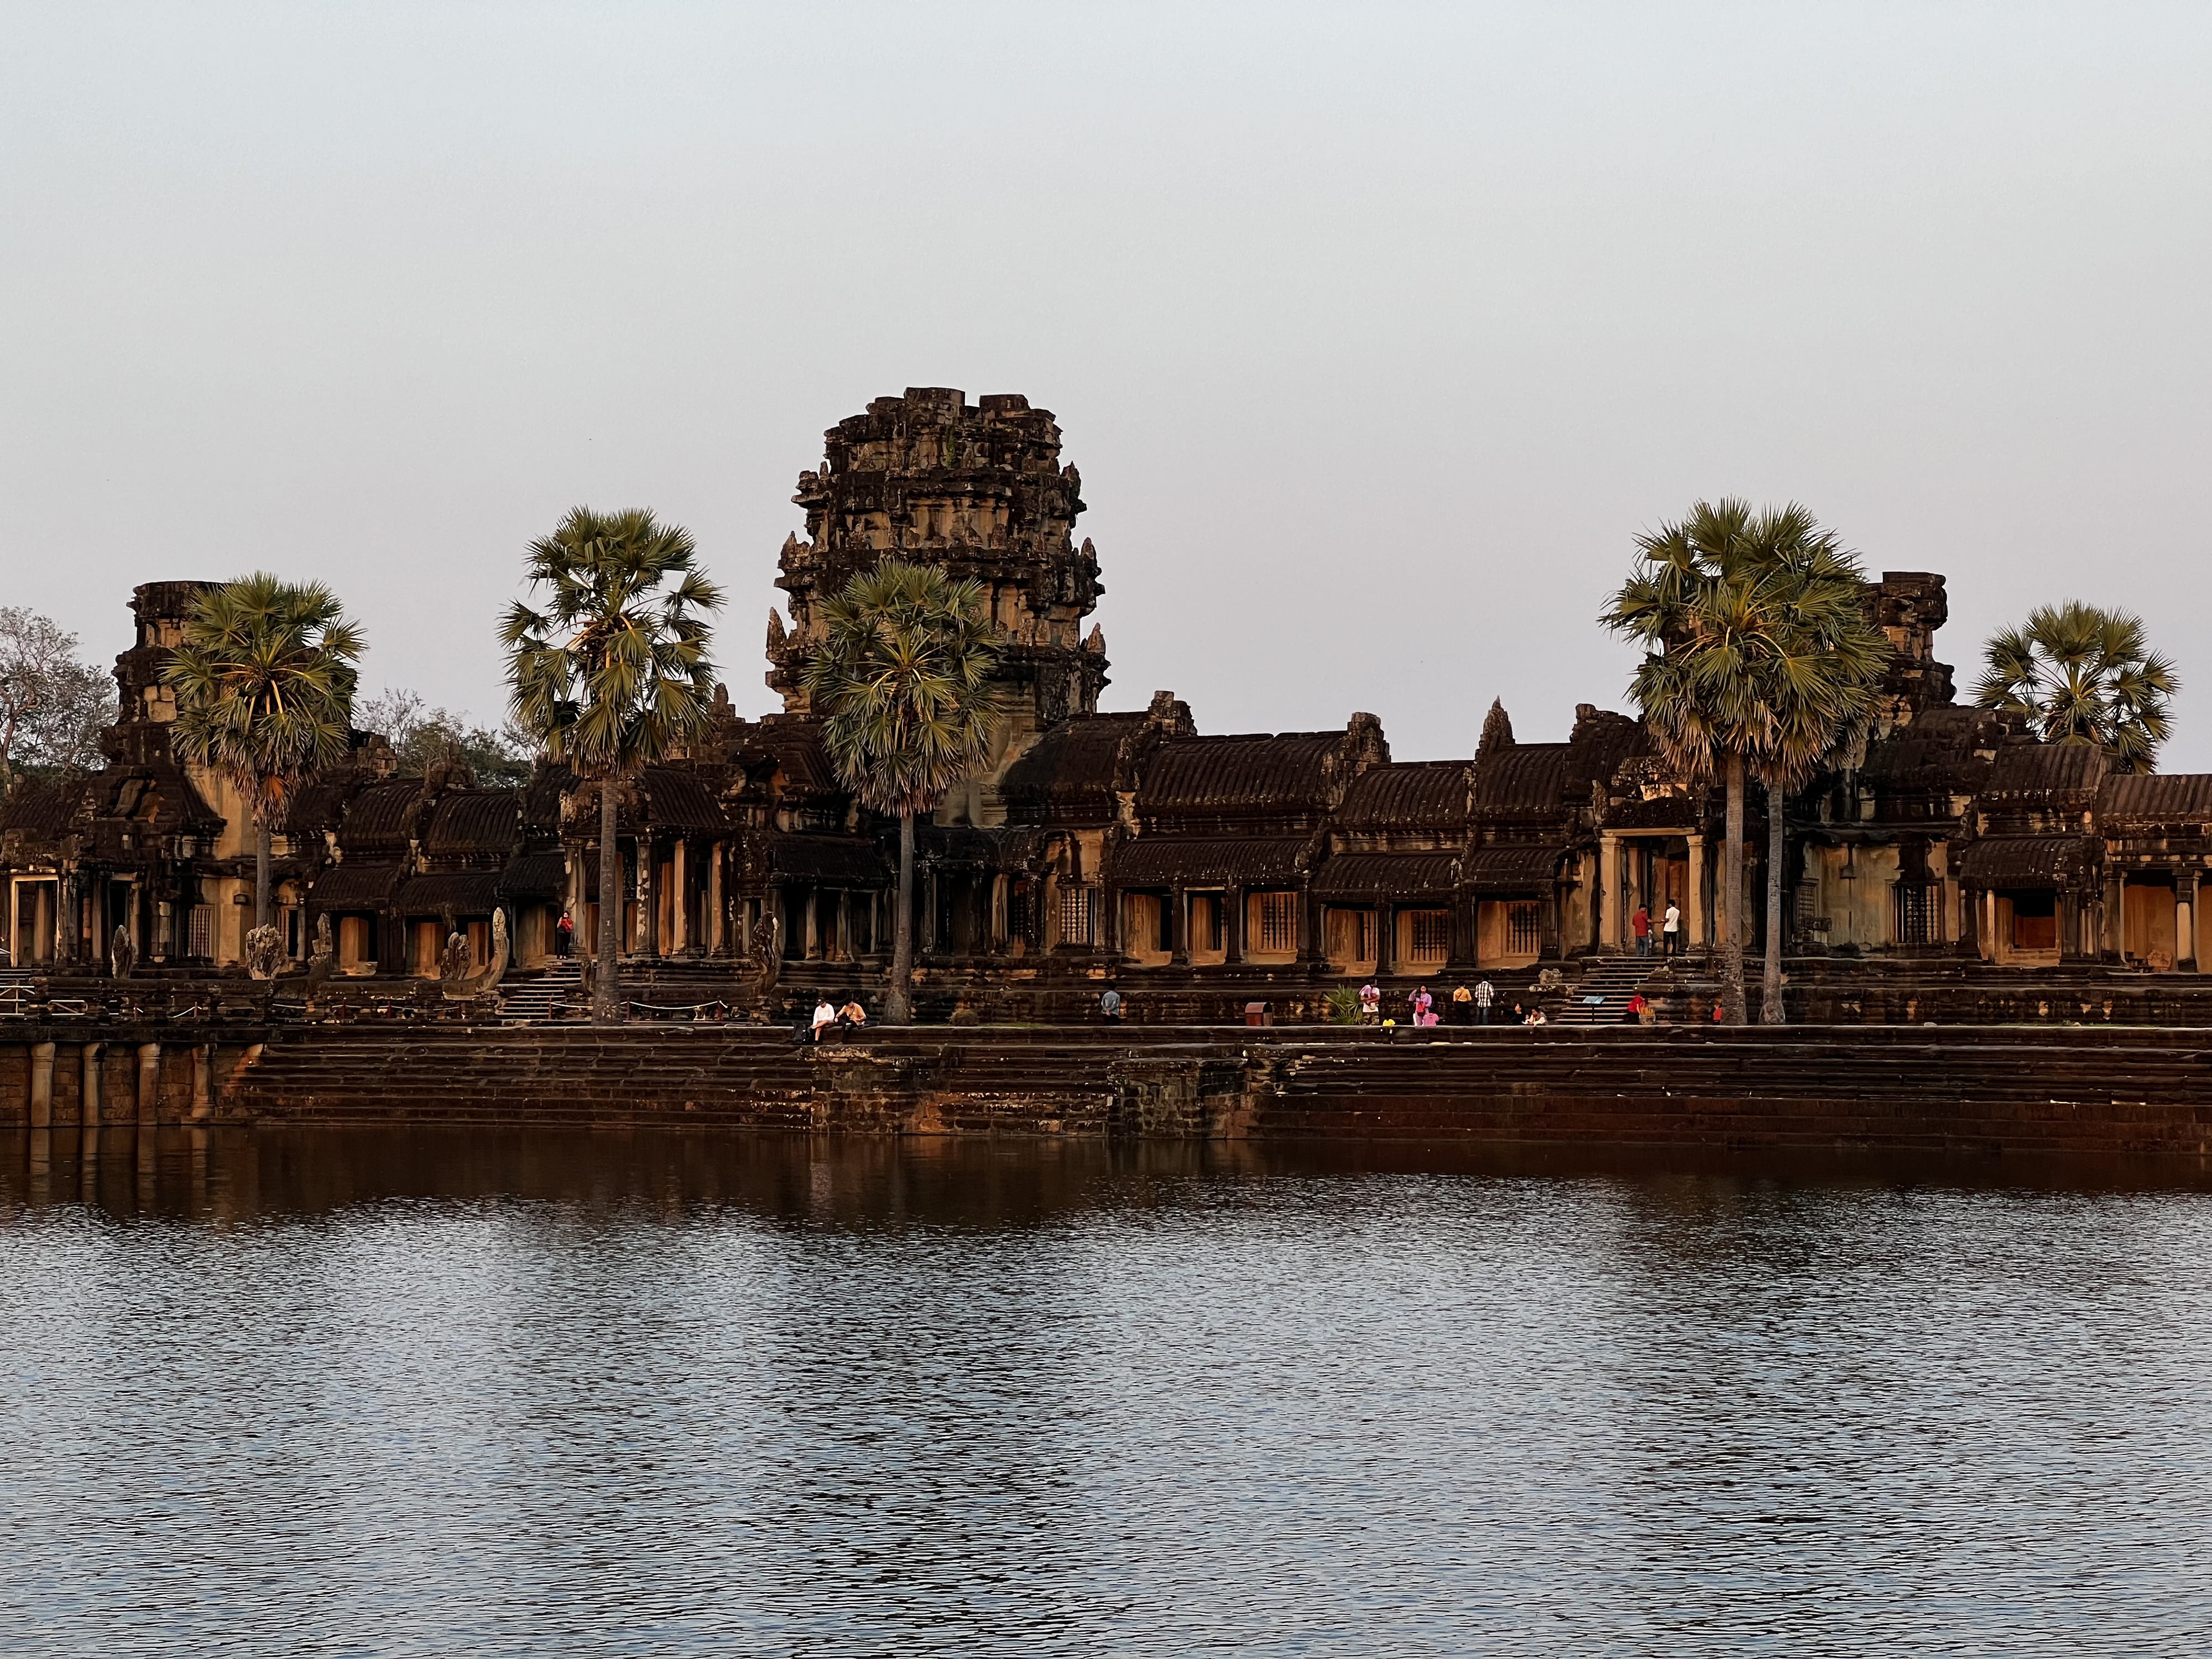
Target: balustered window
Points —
{"points": [[1279, 924], [1079, 915], [1919, 915]]}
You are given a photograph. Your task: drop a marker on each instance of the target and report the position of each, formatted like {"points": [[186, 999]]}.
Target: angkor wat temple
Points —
{"points": [[1201, 870]]}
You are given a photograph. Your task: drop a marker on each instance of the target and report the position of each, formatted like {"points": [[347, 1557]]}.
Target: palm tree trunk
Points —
{"points": [[261, 840], [899, 1000], [1771, 1011], [611, 906], [1732, 895]]}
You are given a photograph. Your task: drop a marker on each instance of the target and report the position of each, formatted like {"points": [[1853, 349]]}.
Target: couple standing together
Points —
{"points": [[1671, 929]]}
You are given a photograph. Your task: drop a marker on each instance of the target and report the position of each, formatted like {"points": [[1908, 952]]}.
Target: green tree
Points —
{"points": [[1757, 658], [2078, 674], [609, 672], [901, 680], [265, 679], [420, 735], [53, 708]]}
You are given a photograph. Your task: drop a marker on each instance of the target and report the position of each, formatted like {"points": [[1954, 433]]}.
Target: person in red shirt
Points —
{"points": [[1640, 925]]}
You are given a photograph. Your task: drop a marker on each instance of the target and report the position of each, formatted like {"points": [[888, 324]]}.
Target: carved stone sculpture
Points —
{"points": [[122, 954], [264, 952], [453, 960], [323, 958]]}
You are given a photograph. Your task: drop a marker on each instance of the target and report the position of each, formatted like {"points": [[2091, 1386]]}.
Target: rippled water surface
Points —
{"points": [[352, 1392]]}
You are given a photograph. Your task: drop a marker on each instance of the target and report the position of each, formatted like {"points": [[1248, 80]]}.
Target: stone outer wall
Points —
{"points": [[2090, 1091]]}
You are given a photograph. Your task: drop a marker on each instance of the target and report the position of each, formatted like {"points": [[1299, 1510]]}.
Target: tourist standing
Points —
{"points": [[1370, 1003], [1109, 1006], [1640, 925], [1673, 929], [1462, 1007], [1422, 1003], [564, 934], [1484, 996]]}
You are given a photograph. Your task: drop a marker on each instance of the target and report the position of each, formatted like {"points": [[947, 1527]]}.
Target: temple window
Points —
{"points": [[1425, 936], [1276, 933], [200, 931], [1918, 915], [1079, 915]]}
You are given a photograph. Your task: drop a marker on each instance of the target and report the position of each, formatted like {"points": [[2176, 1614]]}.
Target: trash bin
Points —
{"points": [[1256, 1013]]}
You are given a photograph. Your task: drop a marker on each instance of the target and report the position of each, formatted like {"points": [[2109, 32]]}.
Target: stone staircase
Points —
{"points": [[1612, 979], [532, 1001]]}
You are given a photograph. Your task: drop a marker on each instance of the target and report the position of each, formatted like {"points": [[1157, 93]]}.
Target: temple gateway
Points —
{"points": [[1197, 870]]}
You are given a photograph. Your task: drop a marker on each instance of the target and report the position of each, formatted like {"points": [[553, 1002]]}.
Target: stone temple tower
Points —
{"points": [[977, 488]]}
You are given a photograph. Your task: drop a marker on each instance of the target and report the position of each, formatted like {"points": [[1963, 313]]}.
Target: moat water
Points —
{"points": [[390, 1393]]}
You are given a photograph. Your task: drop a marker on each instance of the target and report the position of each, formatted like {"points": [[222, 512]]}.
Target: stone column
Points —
{"points": [[1179, 920], [717, 930], [1612, 879], [679, 908], [1386, 941], [2184, 921], [149, 1082], [203, 1083], [1232, 925], [42, 1085], [88, 1086], [648, 872], [1693, 919]]}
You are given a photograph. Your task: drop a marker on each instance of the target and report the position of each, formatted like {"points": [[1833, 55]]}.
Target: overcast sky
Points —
{"points": [[1378, 333]]}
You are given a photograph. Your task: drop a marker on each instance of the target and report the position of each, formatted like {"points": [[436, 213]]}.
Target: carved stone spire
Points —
{"points": [[979, 490], [1497, 729]]}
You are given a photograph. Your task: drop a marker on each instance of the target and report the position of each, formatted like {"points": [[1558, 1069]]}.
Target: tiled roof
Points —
{"points": [[535, 876], [1196, 861], [1287, 770], [475, 821], [680, 800], [1387, 875], [2024, 861], [1409, 795], [382, 814], [2152, 798], [353, 886], [39, 809], [1500, 869], [1529, 779], [2048, 768], [1071, 773]]}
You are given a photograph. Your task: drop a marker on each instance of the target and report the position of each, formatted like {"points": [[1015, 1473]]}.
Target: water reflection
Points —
{"points": [[429, 1392]]}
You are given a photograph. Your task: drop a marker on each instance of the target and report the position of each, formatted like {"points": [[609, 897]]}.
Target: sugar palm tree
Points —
{"points": [[1757, 656], [609, 672], [264, 677], [1819, 683], [2079, 674], [901, 677]]}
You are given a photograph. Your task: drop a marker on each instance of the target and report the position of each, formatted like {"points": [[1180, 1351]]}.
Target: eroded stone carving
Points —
{"points": [[264, 952]]}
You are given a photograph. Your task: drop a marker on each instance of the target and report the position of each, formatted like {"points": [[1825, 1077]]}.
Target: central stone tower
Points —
{"points": [[978, 489]]}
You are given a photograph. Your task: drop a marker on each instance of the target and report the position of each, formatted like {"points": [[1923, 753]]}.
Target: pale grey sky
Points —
{"points": [[1377, 332]]}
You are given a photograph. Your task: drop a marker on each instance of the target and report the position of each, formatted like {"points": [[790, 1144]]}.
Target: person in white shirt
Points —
{"points": [[825, 1014], [1671, 929]]}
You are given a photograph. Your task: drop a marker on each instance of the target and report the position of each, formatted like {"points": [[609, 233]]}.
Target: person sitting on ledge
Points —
{"points": [[852, 1016], [824, 1016], [1535, 1017], [1109, 1006]]}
